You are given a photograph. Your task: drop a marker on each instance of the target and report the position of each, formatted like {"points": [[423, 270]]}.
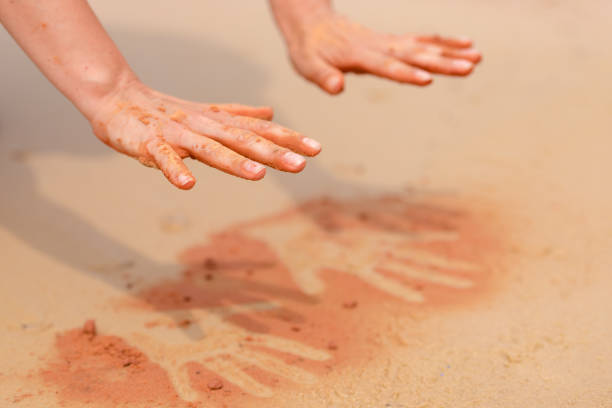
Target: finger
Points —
{"points": [[216, 155], [277, 366], [170, 163], [391, 68], [277, 134], [439, 64], [246, 143], [233, 372], [260, 112], [179, 377], [458, 42], [328, 77], [428, 258], [391, 286], [293, 347], [431, 276], [469, 54]]}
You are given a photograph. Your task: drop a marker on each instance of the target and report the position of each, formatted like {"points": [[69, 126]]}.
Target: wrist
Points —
{"points": [[296, 17], [96, 87]]}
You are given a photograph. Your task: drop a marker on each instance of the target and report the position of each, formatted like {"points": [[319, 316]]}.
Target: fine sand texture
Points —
{"points": [[450, 247]]}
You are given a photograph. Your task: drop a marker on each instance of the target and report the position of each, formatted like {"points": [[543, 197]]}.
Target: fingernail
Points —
{"points": [[294, 160], [333, 84], [462, 65], [473, 56], [313, 144], [253, 167], [184, 179], [422, 76]]}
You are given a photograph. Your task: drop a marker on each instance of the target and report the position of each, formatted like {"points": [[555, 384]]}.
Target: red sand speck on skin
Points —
{"points": [[234, 268]]}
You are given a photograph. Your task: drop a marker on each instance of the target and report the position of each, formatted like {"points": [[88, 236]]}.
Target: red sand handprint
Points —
{"points": [[281, 301], [394, 243]]}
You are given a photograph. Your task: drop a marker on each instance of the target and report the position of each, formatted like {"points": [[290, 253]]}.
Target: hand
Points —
{"points": [[71, 48], [325, 45], [160, 131]]}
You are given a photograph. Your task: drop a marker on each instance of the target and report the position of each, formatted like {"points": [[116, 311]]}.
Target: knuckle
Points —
{"points": [[278, 156], [261, 125], [394, 67], [205, 123], [205, 149], [164, 149], [348, 58], [433, 49], [244, 137], [237, 165], [147, 161], [214, 150], [100, 130], [393, 49], [305, 67]]}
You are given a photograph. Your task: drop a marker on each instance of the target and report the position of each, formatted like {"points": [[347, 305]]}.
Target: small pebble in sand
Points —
{"points": [[210, 263], [350, 305], [215, 384], [295, 328], [363, 216], [332, 346], [89, 328], [184, 323]]}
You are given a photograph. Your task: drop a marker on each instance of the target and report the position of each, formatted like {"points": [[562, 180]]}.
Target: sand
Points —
{"points": [[449, 248]]}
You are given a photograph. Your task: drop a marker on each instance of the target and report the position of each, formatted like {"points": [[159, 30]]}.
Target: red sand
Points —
{"points": [[347, 320], [104, 370]]}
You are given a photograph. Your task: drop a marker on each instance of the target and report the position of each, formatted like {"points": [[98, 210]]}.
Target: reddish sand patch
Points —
{"points": [[347, 319], [105, 371]]}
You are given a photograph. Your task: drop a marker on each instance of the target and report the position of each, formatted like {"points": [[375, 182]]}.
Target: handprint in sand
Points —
{"points": [[392, 243], [176, 339], [281, 301]]}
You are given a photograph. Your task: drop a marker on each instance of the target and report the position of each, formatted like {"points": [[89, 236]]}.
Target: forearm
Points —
{"points": [[69, 45]]}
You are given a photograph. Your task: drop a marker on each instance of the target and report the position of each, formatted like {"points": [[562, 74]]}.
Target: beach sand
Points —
{"points": [[448, 248]]}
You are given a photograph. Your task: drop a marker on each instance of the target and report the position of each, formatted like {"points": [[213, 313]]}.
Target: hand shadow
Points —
{"points": [[58, 232]]}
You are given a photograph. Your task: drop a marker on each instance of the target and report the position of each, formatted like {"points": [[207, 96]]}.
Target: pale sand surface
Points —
{"points": [[527, 136]]}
